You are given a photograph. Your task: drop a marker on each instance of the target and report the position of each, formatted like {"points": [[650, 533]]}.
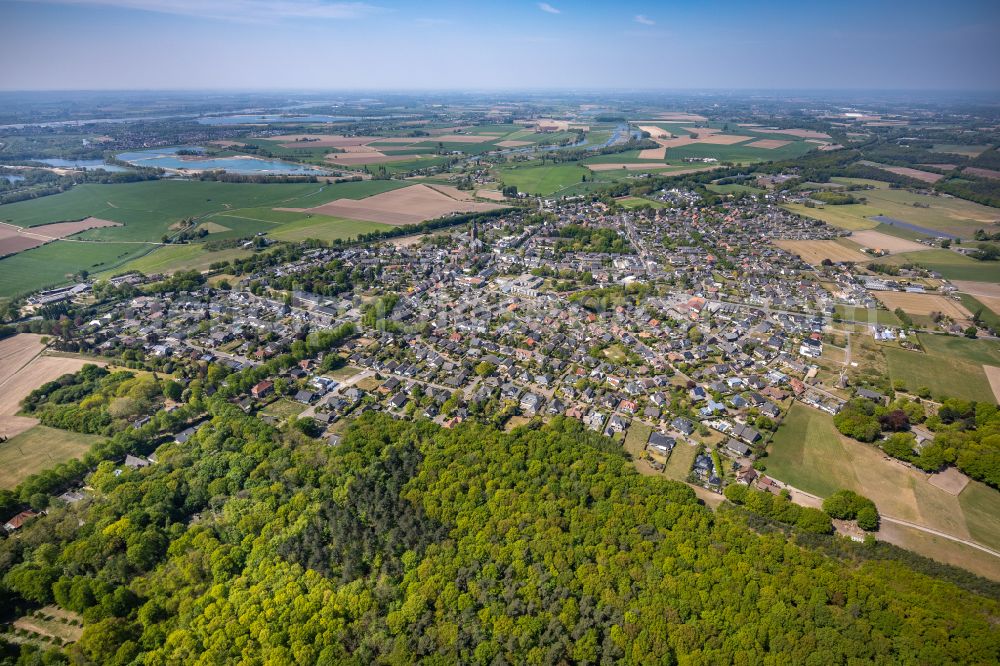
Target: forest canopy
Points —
{"points": [[408, 541]]}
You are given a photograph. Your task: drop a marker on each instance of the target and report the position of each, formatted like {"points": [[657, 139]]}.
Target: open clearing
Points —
{"points": [[959, 149], [57, 627], [39, 448], [951, 481], [653, 153], [880, 241], [676, 117], [987, 293], [14, 239], [368, 157], [917, 174], [768, 144], [950, 368], [680, 461], [951, 265], [173, 258], [993, 376], [811, 455], [922, 304], [409, 205], [814, 252], [941, 549], [799, 133], [935, 213], [21, 371], [982, 173]]}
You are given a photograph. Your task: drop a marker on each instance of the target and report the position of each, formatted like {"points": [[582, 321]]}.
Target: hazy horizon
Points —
{"points": [[445, 45]]}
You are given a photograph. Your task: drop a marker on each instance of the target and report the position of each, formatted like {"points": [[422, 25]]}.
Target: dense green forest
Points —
{"points": [[410, 542]]}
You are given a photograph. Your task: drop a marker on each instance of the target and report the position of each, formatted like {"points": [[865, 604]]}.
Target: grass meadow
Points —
{"points": [[940, 213], [809, 453], [38, 448]]}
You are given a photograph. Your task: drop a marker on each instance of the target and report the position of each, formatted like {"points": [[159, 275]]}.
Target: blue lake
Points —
{"points": [[167, 158], [893, 222]]}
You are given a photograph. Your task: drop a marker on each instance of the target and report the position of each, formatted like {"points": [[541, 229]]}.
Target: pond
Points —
{"points": [[167, 158], [893, 222]]}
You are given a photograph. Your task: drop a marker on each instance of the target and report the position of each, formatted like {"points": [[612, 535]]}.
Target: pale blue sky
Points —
{"points": [[439, 44]]}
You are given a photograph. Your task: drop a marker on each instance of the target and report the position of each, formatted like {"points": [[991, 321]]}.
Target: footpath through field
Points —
{"points": [[803, 498]]}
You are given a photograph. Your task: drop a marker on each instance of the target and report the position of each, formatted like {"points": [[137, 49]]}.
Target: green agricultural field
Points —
{"points": [[853, 217], [171, 258], [983, 352], [735, 189], [945, 373], [739, 152], [325, 228], [900, 232], [872, 316], [806, 452], [936, 213], [639, 202], [626, 157], [55, 263], [148, 210], [809, 453], [38, 448], [986, 315], [393, 168], [543, 180], [951, 265]]}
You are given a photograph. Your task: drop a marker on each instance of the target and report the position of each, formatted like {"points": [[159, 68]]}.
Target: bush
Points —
{"points": [[868, 519], [848, 505]]}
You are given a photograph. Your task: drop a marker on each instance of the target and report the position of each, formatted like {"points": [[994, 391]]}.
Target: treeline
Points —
{"points": [[779, 508], [228, 177], [966, 433], [46, 187]]}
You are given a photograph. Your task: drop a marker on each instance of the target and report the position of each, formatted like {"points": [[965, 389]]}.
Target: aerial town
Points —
{"points": [[685, 324], [387, 333]]}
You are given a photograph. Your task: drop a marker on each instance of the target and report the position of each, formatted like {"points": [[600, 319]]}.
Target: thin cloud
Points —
{"points": [[236, 10], [645, 20], [431, 22], [547, 8]]}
